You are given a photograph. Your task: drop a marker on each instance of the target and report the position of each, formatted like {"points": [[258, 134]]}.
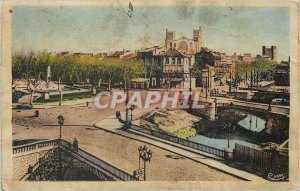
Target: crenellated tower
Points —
{"points": [[197, 37]]}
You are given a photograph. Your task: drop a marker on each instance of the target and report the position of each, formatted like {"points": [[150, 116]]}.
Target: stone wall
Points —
{"points": [[22, 162]]}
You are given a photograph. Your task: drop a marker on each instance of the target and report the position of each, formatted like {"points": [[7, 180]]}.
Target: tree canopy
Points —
{"points": [[259, 64], [75, 68]]}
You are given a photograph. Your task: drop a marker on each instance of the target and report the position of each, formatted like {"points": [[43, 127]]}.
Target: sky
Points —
{"points": [[108, 28]]}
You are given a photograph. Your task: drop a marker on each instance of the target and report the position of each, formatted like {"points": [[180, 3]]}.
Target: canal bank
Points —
{"points": [[233, 126]]}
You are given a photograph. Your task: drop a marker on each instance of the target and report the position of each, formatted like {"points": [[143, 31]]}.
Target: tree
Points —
{"points": [[31, 67], [62, 69], [111, 68], [130, 69]]}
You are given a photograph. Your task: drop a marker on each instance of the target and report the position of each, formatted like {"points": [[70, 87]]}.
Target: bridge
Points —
{"points": [[274, 109], [52, 160], [213, 103]]}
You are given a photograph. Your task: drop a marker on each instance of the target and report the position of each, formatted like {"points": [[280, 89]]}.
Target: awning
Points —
{"points": [[139, 80], [176, 79]]}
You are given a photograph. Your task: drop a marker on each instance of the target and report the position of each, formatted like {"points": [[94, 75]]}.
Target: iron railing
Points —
{"points": [[263, 163], [198, 146]]}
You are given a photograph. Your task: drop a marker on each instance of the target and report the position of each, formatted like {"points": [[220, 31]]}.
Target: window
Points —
{"points": [[167, 60], [173, 60], [178, 60]]}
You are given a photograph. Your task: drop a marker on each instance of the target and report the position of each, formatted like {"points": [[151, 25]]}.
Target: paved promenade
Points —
{"points": [[113, 125], [117, 149]]}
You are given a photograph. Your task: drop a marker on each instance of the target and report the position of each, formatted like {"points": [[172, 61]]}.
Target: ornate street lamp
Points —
{"points": [[60, 120], [146, 156]]}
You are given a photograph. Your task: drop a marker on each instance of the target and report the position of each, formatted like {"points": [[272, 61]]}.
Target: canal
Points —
{"points": [[253, 123], [249, 123]]}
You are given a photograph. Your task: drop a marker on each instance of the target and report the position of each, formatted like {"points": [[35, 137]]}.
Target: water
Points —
{"points": [[220, 143], [253, 123]]}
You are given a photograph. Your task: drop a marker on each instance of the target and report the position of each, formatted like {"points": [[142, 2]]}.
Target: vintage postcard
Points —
{"points": [[139, 95]]}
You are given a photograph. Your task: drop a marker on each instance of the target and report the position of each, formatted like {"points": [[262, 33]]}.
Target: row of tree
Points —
{"points": [[259, 64], [33, 68]]}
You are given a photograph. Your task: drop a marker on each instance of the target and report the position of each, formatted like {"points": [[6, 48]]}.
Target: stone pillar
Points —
{"points": [[94, 91], [176, 60], [48, 74], [47, 96], [192, 60], [228, 153], [170, 60], [212, 112]]}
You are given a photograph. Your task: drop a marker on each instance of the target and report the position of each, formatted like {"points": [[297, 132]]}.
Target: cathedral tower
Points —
{"points": [[170, 37]]}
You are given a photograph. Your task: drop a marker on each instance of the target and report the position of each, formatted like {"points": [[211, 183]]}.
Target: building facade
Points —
{"points": [[167, 69], [222, 64], [170, 66], [282, 74], [183, 44], [270, 53]]}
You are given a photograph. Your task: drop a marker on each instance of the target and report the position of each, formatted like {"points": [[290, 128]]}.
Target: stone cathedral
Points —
{"points": [[183, 44]]}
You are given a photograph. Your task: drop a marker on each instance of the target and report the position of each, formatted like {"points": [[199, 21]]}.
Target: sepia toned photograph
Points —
{"points": [[150, 92]]}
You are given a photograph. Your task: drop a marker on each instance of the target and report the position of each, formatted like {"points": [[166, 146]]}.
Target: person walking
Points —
{"points": [[75, 144]]}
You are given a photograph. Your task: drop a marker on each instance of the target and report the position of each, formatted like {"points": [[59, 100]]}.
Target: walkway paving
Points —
{"points": [[113, 125]]}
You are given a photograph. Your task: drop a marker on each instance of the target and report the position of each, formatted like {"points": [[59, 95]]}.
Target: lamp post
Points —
{"points": [[216, 104], [126, 107], [169, 82], [230, 82], [228, 134], [131, 109], [146, 156], [60, 120], [206, 86], [190, 73]]}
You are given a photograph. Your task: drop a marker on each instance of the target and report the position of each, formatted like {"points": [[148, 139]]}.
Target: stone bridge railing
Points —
{"points": [[94, 161], [30, 154], [276, 109], [34, 147]]}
